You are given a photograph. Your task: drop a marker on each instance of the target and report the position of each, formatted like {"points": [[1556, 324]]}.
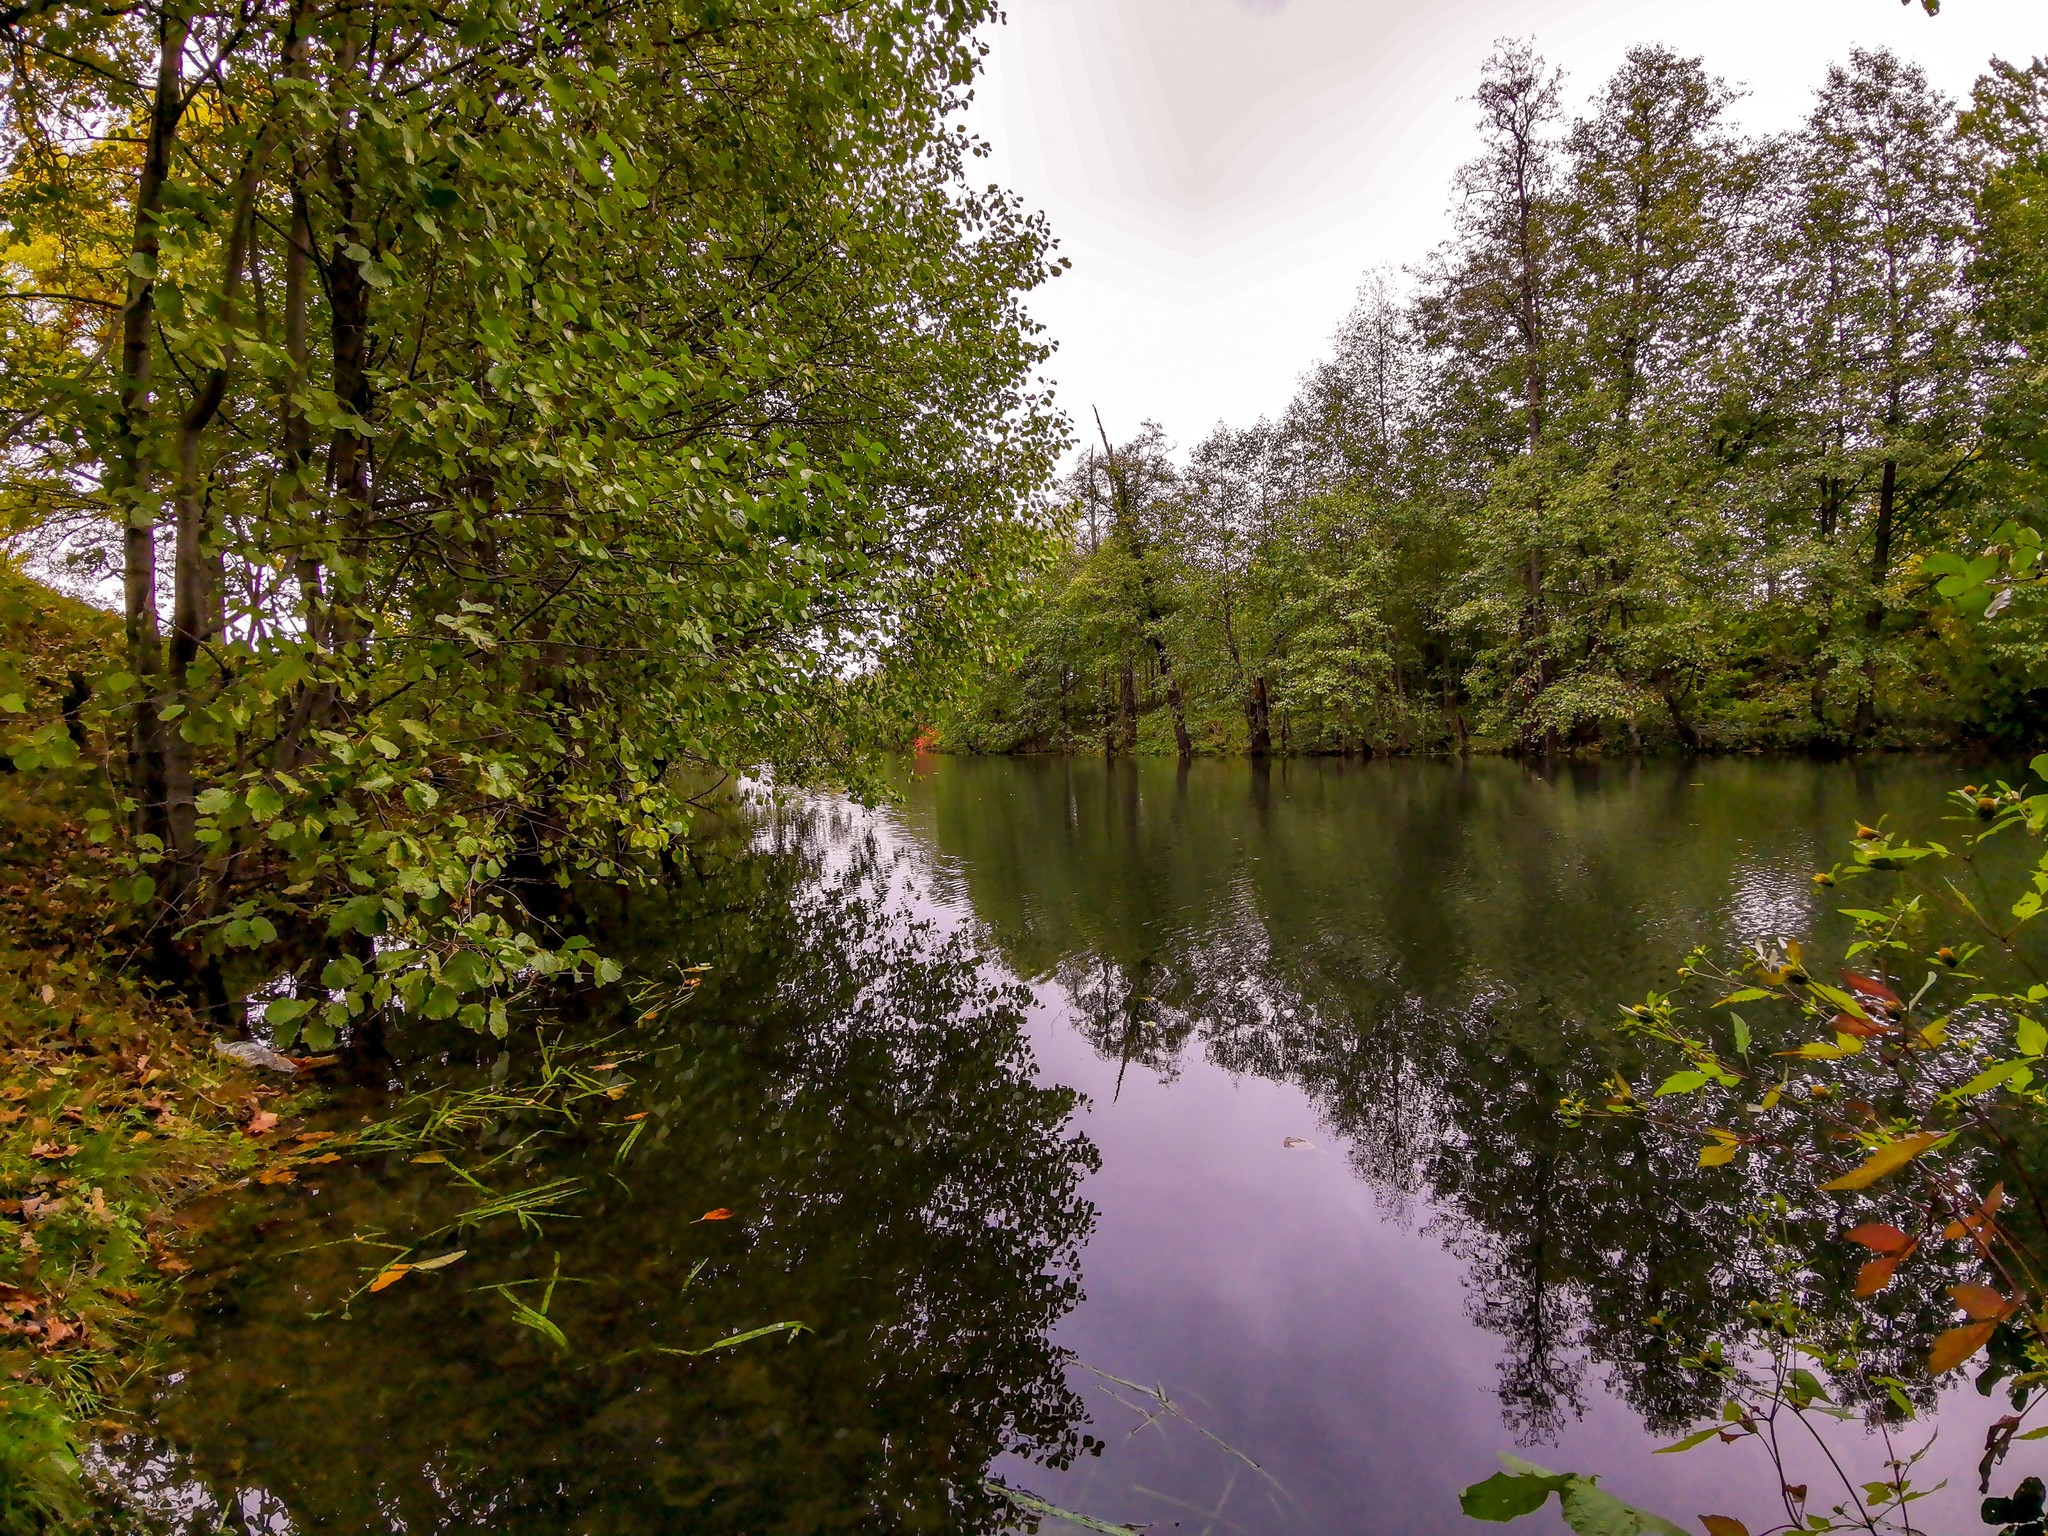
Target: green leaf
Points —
{"points": [[1698, 1437], [1510, 1495], [1740, 1028], [1592, 1511], [2031, 1037], [1682, 1082]]}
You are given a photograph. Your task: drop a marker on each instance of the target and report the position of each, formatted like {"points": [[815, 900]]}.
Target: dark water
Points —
{"points": [[998, 1083]]}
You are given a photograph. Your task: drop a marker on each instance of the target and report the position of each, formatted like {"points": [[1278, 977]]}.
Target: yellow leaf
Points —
{"points": [[1886, 1159], [442, 1262], [1723, 1525], [1957, 1345], [1719, 1153], [389, 1276], [431, 1157]]}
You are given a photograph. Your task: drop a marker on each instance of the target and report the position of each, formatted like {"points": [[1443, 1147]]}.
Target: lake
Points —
{"points": [[1178, 1147]]}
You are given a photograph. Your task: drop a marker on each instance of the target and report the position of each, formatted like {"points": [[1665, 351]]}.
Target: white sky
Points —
{"points": [[1222, 173]]}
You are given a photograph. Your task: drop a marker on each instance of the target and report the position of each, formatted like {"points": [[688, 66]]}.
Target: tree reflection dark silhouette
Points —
{"points": [[1435, 954], [855, 1087]]}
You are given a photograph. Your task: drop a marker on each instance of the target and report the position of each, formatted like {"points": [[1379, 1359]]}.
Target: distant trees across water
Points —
{"points": [[1648, 452]]}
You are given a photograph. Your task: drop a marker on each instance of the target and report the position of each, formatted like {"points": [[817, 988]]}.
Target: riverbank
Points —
{"points": [[116, 1112]]}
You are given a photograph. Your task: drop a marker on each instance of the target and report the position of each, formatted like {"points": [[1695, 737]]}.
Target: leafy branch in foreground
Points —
{"points": [[1888, 1104]]}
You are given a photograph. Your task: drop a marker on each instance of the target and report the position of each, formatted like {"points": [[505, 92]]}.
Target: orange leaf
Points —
{"points": [[390, 1275], [1862, 1029], [1876, 1275], [1957, 1345], [1879, 1238], [605, 1066], [1978, 1219], [324, 1157], [631, 1118], [259, 1122], [721, 1214], [1723, 1525], [1870, 986], [276, 1176], [1980, 1303]]}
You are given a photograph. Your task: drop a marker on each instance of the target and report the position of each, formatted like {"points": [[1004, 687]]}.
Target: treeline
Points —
{"points": [[1649, 451], [500, 423]]}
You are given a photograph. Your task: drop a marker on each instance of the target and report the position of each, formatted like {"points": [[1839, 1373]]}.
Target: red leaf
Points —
{"points": [[1871, 987], [721, 1214], [1879, 1238], [1862, 1029]]}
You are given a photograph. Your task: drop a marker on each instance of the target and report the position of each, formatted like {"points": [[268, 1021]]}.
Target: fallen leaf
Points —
{"points": [[721, 1214], [605, 1066], [170, 1264], [139, 1137], [324, 1157], [56, 1331], [307, 1138], [276, 1176], [389, 1276], [1980, 1303], [260, 1122], [616, 1093], [1955, 1346], [1886, 1159], [1879, 1238], [52, 1151], [1723, 1525], [1876, 1275], [631, 1118], [441, 1262], [431, 1157]]}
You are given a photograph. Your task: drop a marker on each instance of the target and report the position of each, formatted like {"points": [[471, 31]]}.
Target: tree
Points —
{"points": [[503, 416]]}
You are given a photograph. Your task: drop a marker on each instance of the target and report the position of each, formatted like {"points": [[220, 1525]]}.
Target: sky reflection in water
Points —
{"points": [[1401, 965]]}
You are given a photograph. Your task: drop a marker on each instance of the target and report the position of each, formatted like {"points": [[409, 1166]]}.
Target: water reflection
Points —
{"points": [[1433, 954], [857, 1089], [1407, 965]]}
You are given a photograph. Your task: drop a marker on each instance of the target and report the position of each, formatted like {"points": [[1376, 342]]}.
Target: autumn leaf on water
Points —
{"points": [[276, 1176], [1879, 1238], [1886, 1159], [389, 1276], [1957, 1345], [721, 1214], [442, 1262]]}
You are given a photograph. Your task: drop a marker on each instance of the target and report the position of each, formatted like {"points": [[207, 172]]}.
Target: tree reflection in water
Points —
{"points": [[1434, 954], [854, 1085]]}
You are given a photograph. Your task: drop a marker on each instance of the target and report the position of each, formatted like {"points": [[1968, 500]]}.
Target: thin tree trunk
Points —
{"points": [[126, 485], [1873, 616]]}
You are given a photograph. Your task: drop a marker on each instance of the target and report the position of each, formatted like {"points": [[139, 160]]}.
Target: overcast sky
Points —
{"points": [[1222, 173]]}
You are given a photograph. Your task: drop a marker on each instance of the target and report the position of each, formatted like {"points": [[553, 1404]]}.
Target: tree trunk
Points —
{"points": [[126, 487], [1128, 706], [1259, 716], [1873, 616]]}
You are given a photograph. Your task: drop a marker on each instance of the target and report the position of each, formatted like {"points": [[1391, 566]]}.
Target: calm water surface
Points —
{"points": [[1051, 1088]]}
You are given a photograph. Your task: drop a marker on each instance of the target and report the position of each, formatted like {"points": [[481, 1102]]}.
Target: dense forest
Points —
{"points": [[1651, 450]]}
